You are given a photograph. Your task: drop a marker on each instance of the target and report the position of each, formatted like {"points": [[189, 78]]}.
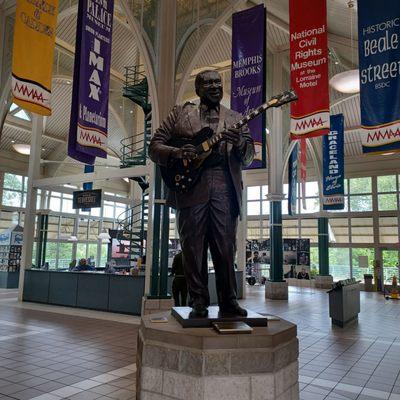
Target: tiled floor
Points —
{"points": [[48, 353], [361, 361]]}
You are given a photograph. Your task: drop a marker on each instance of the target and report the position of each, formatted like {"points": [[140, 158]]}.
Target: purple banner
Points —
{"points": [[89, 110], [248, 73]]}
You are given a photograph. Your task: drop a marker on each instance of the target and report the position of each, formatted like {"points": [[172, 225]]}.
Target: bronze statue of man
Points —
{"points": [[207, 214]]}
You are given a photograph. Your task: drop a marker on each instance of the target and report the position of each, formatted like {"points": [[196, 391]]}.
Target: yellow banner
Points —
{"points": [[34, 37]]}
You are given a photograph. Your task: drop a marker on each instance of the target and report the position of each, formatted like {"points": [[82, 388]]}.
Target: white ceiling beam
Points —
{"points": [[102, 174]]}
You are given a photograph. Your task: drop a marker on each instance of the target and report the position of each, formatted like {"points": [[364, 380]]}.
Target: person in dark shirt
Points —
{"points": [[179, 285], [303, 274]]}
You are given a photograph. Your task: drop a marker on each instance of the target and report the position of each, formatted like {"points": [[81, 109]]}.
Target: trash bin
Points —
{"points": [[368, 285], [344, 302]]}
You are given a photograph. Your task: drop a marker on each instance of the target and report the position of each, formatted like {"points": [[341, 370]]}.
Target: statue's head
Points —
{"points": [[208, 86]]}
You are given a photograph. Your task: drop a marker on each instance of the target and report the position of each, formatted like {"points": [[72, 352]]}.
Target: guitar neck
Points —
{"points": [[217, 137]]}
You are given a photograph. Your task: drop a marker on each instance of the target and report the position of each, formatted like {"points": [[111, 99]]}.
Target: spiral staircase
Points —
{"points": [[132, 224]]}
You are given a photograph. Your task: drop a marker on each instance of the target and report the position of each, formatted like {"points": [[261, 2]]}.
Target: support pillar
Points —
{"points": [[276, 288], [30, 211], [165, 67], [323, 280]]}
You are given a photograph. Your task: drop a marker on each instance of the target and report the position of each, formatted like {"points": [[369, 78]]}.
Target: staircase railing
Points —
{"points": [[135, 148], [132, 227]]}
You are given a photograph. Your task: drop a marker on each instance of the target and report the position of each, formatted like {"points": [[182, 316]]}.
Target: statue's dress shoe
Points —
{"points": [[198, 311], [232, 309]]}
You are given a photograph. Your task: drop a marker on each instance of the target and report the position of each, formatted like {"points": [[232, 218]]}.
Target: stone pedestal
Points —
{"points": [[323, 282], [276, 290], [154, 306], [175, 363]]}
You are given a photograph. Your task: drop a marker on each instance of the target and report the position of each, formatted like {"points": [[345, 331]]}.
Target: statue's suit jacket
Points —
{"points": [[184, 121]]}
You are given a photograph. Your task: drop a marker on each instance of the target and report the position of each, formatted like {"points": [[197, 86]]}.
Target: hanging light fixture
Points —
{"points": [[346, 82], [22, 148], [349, 81]]}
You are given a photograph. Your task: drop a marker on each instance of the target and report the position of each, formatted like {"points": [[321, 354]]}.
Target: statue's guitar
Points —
{"points": [[183, 174]]}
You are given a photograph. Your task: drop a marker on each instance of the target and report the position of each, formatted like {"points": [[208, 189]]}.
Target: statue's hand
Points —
{"points": [[186, 152], [233, 136]]}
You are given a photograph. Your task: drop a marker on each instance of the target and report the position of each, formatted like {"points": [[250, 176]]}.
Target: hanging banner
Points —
{"points": [[33, 54], [248, 73], [292, 197], [333, 165], [309, 68], [89, 111], [379, 54]]}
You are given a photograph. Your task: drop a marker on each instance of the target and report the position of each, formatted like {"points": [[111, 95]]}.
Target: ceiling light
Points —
{"points": [[22, 148], [68, 82], [346, 82], [12, 141], [43, 149], [126, 180], [388, 154]]}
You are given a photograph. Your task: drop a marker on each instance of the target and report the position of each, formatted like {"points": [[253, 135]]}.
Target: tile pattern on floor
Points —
{"points": [[52, 355]]}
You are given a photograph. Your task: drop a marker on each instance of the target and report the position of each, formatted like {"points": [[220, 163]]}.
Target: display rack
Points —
{"points": [[11, 241]]}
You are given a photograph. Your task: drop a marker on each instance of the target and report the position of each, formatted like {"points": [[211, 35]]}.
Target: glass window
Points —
{"points": [[339, 263], [92, 252], [387, 202], [12, 181], [83, 229], [108, 209], [64, 255], [290, 228], [80, 251], [361, 203], [253, 193], [387, 184], [314, 261], [359, 271], [390, 260], [362, 230], [51, 254], [253, 208], [103, 255], [12, 198], [55, 202], [52, 230], [93, 230], [388, 230], [339, 231], [253, 230], [309, 230], [361, 185]]}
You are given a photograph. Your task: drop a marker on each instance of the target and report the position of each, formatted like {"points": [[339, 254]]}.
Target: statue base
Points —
{"points": [[176, 363], [182, 316]]}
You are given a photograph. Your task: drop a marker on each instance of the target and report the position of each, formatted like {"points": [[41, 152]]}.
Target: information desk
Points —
{"points": [[96, 290]]}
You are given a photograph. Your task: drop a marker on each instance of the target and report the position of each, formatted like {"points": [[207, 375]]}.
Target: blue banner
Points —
{"points": [[88, 131], [333, 165], [379, 53], [248, 73], [292, 197]]}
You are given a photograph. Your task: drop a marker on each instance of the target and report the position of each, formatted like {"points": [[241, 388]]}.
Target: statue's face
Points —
{"points": [[210, 90]]}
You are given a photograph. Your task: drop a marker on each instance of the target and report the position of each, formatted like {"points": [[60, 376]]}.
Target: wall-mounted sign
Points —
{"points": [[86, 199]]}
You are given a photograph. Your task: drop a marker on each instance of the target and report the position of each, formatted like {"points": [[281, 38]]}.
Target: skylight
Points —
{"points": [[18, 112]]}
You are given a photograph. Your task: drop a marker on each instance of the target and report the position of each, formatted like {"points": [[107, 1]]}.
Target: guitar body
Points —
{"points": [[183, 175]]}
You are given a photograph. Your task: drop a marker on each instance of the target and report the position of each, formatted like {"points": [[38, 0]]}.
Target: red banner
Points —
{"points": [[309, 68]]}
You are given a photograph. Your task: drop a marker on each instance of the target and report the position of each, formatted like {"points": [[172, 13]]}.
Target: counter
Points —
{"points": [[97, 291]]}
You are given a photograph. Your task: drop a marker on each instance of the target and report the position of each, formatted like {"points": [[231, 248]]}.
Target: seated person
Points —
{"points": [[83, 266], [303, 274]]}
